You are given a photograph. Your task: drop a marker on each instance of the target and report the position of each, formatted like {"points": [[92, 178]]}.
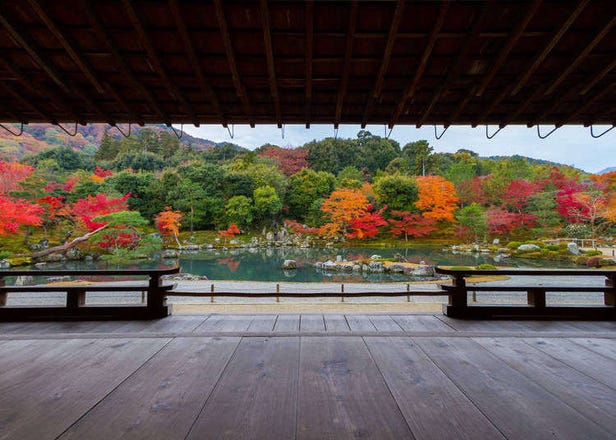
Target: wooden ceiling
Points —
{"points": [[288, 62]]}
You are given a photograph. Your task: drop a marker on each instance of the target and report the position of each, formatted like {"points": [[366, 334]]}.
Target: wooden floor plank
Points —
{"points": [[582, 359], [432, 405], [589, 397], [605, 347], [225, 323], [517, 406], [384, 323], [49, 395], [166, 395], [594, 326], [262, 323], [257, 395], [287, 323], [311, 323], [360, 323], [342, 394], [336, 323], [421, 323]]}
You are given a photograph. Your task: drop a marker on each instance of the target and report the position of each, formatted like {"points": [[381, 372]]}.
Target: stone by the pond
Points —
{"points": [[25, 280], [338, 258], [422, 271], [496, 242], [573, 248], [73, 254], [4, 264], [356, 268], [396, 268], [54, 258], [170, 253], [289, 264], [375, 266], [375, 257], [528, 247]]}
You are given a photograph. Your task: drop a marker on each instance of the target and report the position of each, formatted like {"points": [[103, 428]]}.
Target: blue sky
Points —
{"points": [[570, 145]]}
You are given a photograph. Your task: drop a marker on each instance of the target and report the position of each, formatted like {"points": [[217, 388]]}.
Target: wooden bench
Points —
{"points": [[153, 293], [535, 306]]}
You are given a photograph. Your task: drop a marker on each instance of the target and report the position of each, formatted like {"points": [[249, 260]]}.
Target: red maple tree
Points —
{"points": [[17, 213], [85, 210], [11, 173], [409, 224], [366, 225]]}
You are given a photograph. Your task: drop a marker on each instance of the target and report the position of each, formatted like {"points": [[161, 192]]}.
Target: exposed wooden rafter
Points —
{"points": [[146, 43], [500, 61], [391, 39], [590, 100], [412, 87], [581, 56], [454, 70], [240, 90], [347, 63], [120, 62], [309, 48], [550, 46], [269, 57], [194, 61], [538, 59]]}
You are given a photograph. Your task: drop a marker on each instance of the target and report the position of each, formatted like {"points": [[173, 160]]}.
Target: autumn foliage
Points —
{"points": [[437, 198], [14, 214], [85, 210], [11, 173], [410, 224], [168, 223], [230, 232]]}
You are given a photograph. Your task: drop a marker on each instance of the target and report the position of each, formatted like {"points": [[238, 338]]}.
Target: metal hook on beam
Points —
{"points": [[121, 132], [21, 129], [385, 129], [442, 133], [179, 136], [556, 127], [599, 135], [335, 133], [282, 130], [493, 134], [231, 130], [66, 131]]}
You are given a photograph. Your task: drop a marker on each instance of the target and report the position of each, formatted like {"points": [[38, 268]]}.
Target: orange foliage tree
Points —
{"points": [[342, 207], [168, 223], [11, 173], [437, 198]]}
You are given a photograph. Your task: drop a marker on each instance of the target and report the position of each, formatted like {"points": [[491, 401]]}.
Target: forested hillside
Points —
{"points": [[356, 188]]}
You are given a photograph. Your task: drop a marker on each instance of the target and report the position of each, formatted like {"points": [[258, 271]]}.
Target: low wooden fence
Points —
{"points": [[536, 306], [150, 285]]}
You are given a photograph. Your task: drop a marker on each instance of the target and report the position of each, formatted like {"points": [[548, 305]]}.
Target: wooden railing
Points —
{"points": [[536, 305], [76, 307]]}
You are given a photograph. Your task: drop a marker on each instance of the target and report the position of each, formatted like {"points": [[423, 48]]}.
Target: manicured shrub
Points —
{"points": [[486, 266]]}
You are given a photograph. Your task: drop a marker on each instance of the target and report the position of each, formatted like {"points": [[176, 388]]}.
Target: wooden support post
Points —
{"points": [[277, 291], [408, 289], [536, 298], [342, 292], [609, 296], [457, 297], [212, 295], [3, 295], [75, 298]]}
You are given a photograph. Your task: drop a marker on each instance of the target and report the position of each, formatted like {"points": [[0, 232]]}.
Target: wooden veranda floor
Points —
{"points": [[309, 376]]}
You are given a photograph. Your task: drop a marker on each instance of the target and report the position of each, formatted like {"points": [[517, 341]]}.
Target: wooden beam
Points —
{"points": [[237, 82], [37, 88], [551, 44], [511, 42], [24, 42], [516, 86], [24, 103], [581, 56], [269, 55], [347, 63], [309, 46], [66, 44], [454, 70], [588, 102], [194, 60], [412, 87], [391, 39], [598, 77], [78, 58], [97, 25], [146, 43]]}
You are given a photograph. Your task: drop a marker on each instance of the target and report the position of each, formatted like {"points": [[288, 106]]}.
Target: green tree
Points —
{"points": [[397, 192], [267, 203], [474, 219], [238, 210], [350, 177], [304, 188], [419, 154]]}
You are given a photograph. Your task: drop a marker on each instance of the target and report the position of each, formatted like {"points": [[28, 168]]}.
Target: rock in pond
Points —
{"points": [[573, 248], [528, 247], [289, 264]]}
